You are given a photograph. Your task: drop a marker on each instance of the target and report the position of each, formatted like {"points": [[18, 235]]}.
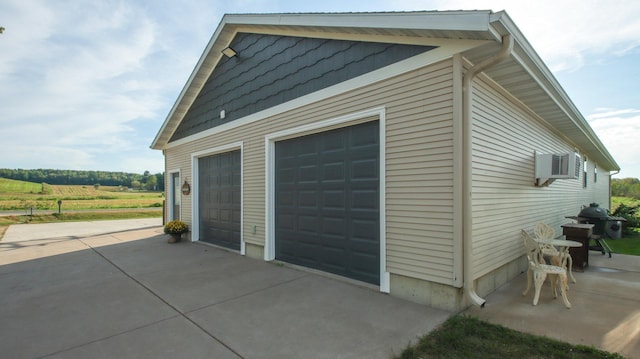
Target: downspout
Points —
{"points": [[610, 180], [467, 185]]}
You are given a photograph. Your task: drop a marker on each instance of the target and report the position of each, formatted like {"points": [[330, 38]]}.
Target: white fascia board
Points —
{"points": [[429, 20]]}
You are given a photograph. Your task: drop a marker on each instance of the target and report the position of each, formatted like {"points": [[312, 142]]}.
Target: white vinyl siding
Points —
{"points": [[505, 199], [419, 165]]}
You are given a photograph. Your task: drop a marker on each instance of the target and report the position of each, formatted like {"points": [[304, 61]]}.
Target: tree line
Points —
{"points": [[72, 177], [625, 187]]}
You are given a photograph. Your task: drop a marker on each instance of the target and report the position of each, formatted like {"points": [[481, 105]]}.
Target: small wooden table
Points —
{"points": [[579, 232]]}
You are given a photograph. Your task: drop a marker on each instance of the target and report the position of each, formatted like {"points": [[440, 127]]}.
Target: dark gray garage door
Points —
{"points": [[219, 199], [327, 201]]}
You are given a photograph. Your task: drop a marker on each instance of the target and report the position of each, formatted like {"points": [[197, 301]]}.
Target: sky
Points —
{"points": [[86, 85]]}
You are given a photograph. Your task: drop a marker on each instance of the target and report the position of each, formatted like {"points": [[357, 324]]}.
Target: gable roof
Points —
{"points": [[523, 74]]}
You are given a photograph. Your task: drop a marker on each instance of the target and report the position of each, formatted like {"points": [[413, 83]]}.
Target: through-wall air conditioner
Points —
{"points": [[549, 167]]}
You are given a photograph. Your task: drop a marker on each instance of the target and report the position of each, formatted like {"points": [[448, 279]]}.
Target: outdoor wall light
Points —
{"points": [[229, 52], [186, 188]]}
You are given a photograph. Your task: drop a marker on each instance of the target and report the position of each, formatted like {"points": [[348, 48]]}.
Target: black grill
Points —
{"points": [[602, 221]]}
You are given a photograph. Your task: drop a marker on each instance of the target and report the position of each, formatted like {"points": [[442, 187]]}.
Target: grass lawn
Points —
{"points": [[467, 337], [628, 244]]}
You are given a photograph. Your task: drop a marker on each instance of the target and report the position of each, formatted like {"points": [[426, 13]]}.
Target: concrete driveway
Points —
{"points": [[117, 289]]}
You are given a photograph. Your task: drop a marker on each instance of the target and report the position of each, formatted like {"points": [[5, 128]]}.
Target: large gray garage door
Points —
{"points": [[327, 201], [219, 199]]}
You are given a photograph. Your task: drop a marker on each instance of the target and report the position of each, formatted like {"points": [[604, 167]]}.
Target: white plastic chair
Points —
{"points": [[538, 271]]}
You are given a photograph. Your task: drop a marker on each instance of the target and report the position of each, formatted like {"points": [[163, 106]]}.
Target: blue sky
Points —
{"points": [[86, 84]]}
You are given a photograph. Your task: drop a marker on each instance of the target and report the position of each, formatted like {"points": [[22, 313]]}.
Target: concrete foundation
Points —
{"points": [[254, 251], [428, 293], [497, 278]]}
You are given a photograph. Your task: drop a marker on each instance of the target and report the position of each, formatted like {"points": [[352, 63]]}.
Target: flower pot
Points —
{"points": [[174, 238]]}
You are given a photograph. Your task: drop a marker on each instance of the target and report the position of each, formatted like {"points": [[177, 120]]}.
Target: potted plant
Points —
{"points": [[175, 228]]}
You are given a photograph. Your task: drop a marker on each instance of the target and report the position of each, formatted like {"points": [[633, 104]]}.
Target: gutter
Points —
{"points": [[467, 185]]}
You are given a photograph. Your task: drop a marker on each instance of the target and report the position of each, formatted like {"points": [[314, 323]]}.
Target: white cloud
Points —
{"points": [[80, 79], [618, 130], [564, 33]]}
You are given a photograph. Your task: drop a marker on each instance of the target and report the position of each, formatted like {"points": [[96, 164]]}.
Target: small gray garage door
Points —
{"points": [[327, 201], [219, 201]]}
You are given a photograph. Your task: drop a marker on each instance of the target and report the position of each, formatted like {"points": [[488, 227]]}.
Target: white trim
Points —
{"points": [[195, 205], [270, 196], [455, 20], [410, 64], [458, 171], [322, 126], [347, 36], [385, 277], [171, 193]]}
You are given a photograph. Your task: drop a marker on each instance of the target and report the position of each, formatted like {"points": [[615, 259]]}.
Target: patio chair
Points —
{"points": [[538, 271], [545, 232]]}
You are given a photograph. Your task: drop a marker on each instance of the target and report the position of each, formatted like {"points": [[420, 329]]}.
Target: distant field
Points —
{"points": [[616, 201], [13, 186], [19, 195]]}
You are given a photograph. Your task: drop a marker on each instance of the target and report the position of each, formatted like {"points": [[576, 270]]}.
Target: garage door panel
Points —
{"points": [[364, 169], [286, 198], [327, 201], [237, 216], [334, 258], [308, 174], [333, 199], [220, 199], [286, 175], [367, 135], [365, 199], [308, 199], [334, 227], [287, 222], [334, 171], [306, 148], [307, 224], [333, 141], [362, 229]]}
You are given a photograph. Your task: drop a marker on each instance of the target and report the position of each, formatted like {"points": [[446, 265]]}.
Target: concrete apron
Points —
{"points": [[129, 293], [605, 310]]}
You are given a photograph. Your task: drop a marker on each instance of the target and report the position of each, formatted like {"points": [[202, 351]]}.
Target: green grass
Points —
{"points": [[628, 244], [615, 201], [19, 187], [20, 195], [630, 241], [467, 337]]}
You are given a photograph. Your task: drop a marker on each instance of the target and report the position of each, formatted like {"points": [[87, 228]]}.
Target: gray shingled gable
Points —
{"points": [[270, 70]]}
